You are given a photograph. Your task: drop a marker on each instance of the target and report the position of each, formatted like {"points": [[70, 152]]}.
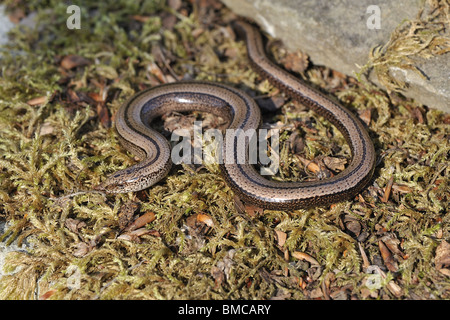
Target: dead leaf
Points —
{"points": [[218, 275], [238, 205], [47, 294], [393, 287], [74, 225], [174, 4], [16, 15], [335, 164], [388, 259], [401, 188], [354, 227], [253, 211], [366, 262], [316, 293], [103, 114], [168, 20], [442, 258], [365, 293], [206, 219], [222, 270], [418, 114], [302, 283], [126, 213], [136, 234], [141, 221], [304, 256], [37, 101], [387, 190], [96, 97], [157, 72], [310, 165], [72, 60], [391, 241], [46, 129], [328, 279], [296, 143], [73, 96], [365, 115], [191, 221], [82, 249], [140, 18], [296, 61]]}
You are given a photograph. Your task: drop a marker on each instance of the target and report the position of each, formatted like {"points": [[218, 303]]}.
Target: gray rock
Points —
{"points": [[336, 34]]}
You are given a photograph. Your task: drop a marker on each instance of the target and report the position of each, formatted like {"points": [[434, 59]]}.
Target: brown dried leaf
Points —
{"points": [[281, 237], [335, 164], [366, 262], [218, 275], [136, 234], [387, 190], [174, 4], [388, 259], [191, 221], [401, 188], [354, 227], [316, 293], [304, 256], [365, 293], [16, 15], [37, 101], [140, 18], [82, 249], [103, 114], [365, 116], [418, 114], [96, 97], [46, 129], [141, 221], [393, 287], [206, 219], [73, 96], [157, 72], [310, 165], [296, 61], [253, 211], [47, 294], [238, 205], [391, 241], [74, 224], [296, 143]]}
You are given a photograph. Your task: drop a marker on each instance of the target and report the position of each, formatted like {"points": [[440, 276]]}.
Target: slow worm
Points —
{"points": [[135, 134]]}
